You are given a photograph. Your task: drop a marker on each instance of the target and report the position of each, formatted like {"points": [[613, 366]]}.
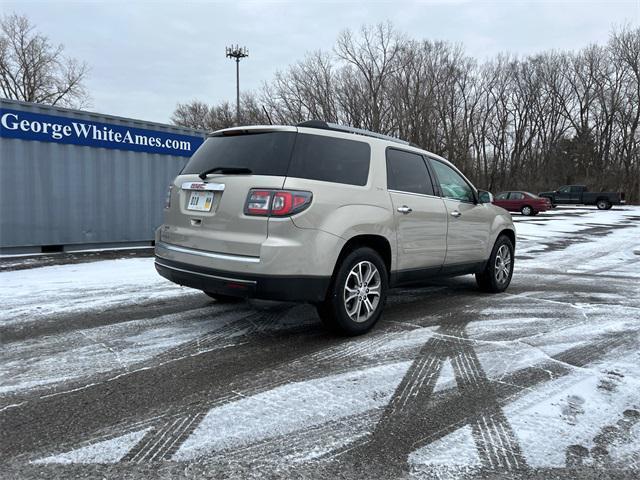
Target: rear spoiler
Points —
{"points": [[248, 130]]}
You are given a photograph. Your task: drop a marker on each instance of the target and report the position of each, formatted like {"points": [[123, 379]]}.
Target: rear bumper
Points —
{"points": [[267, 287]]}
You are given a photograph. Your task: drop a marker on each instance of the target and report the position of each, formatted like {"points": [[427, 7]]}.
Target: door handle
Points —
{"points": [[404, 209], [455, 213]]}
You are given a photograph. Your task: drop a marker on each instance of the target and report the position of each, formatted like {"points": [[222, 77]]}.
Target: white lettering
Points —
{"points": [[57, 131], [82, 130], [13, 125]]}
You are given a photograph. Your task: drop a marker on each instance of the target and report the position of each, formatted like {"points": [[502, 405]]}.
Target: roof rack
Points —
{"points": [[342, 128]]}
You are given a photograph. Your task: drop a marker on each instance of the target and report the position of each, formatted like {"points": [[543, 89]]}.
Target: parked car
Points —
{"points": [[326, 214], [580, 195], [523, 202]]}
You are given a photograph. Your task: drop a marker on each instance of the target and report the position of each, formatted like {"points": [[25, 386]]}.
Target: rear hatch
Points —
{"points": [[208, 214]]}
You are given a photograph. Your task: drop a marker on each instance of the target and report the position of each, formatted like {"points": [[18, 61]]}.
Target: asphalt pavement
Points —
{"points": [[539, 382]]}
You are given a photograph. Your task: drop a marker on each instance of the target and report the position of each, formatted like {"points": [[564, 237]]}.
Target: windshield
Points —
{"points": [[263, 153]]}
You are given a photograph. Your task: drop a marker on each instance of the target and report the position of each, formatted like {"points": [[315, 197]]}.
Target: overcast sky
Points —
{"points": [[146, 56]]}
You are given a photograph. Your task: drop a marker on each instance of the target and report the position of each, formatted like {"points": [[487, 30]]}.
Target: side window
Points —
{"points": [[407, 172], [576, 189], [516, 196], [502, 196], [452, 184], [330, 159], [564, 189]]}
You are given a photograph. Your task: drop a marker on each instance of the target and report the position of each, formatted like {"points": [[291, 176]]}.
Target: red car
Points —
{"points": [[523, 202]]}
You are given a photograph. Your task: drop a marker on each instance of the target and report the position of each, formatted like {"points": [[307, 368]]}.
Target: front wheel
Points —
{"points": [[357, 294], [603, 205], [496, 276]]}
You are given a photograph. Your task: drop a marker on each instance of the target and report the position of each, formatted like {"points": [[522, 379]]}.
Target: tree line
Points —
{"points": [[532, 123]]}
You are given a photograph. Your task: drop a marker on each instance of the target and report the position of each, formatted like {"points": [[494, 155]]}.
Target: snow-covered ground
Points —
{"points": [[451, 383], [84, 287]]}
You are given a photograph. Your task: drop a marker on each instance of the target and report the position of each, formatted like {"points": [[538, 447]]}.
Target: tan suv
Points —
{"points": [[326, 214]]}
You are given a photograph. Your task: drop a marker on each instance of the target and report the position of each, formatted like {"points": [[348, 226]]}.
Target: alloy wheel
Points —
{"points": [[362, 291], [503, 264]]}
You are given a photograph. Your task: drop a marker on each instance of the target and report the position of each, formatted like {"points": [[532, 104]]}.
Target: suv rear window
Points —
{"points": [[407, 172], [264, 153], [329, 159]]}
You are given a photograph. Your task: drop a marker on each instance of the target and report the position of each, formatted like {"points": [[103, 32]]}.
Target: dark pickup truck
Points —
{"points": [[579, 195]]}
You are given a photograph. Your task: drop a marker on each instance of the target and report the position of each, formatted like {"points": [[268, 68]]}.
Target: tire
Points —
{"points": [[492, 279], [603, 204], [609, 207], [343, 311], [224, 298], [527, 211]]}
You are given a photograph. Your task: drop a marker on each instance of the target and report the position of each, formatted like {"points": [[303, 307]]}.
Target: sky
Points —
{"points": [[146, 56]]}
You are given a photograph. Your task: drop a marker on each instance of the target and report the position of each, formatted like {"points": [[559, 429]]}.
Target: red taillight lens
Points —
{"points": [[277, 203], [282, 203], [258, 202]]}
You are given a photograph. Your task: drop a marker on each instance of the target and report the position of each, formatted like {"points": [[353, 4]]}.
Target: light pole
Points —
{"points": [[237, 53]]}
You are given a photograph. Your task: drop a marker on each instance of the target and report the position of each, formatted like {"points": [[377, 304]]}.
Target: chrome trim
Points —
{"points": [[201, 253], [412, 193], [203, 186], [217, 277]]}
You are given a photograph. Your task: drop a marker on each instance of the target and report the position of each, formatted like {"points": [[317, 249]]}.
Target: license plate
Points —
{"points": [[200, 201]]}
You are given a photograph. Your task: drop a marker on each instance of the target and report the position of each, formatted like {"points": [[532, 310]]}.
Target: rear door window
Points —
{"points": [[330, 159], [264, 153], [516, 196], [407, 172]]}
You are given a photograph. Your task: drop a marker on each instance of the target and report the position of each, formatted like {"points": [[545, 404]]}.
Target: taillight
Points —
{"points": [[258, 202], [277, 203], [167, 200]]}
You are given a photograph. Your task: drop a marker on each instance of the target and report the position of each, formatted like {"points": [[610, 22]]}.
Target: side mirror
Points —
{"points": [[484, 196]]}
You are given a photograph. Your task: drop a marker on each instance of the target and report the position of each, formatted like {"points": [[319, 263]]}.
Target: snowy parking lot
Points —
{"points": [[108, 369]]}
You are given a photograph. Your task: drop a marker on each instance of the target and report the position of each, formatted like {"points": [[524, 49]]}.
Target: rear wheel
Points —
{"points": [[496, 276], [526, 210], [603, 204], [357, 294], [224, 298]]}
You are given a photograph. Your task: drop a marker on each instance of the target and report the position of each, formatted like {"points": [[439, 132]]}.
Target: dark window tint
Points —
{"points": [[330, 159], [265, 153], [407, 172], [516, 196], [576, 189]]}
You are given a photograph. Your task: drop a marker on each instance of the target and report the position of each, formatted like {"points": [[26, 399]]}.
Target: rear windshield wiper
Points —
{"points": [[231, 170]]}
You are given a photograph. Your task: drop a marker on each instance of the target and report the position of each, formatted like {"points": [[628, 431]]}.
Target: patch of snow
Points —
{"points": [[571, 411], [106, 451], [81, 353], [292, 407], [447, 378], [458, 448], [28, 294]]}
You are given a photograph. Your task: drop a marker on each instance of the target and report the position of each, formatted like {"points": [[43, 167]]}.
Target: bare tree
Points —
{"points": [[34, 70], [529, 123]]}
